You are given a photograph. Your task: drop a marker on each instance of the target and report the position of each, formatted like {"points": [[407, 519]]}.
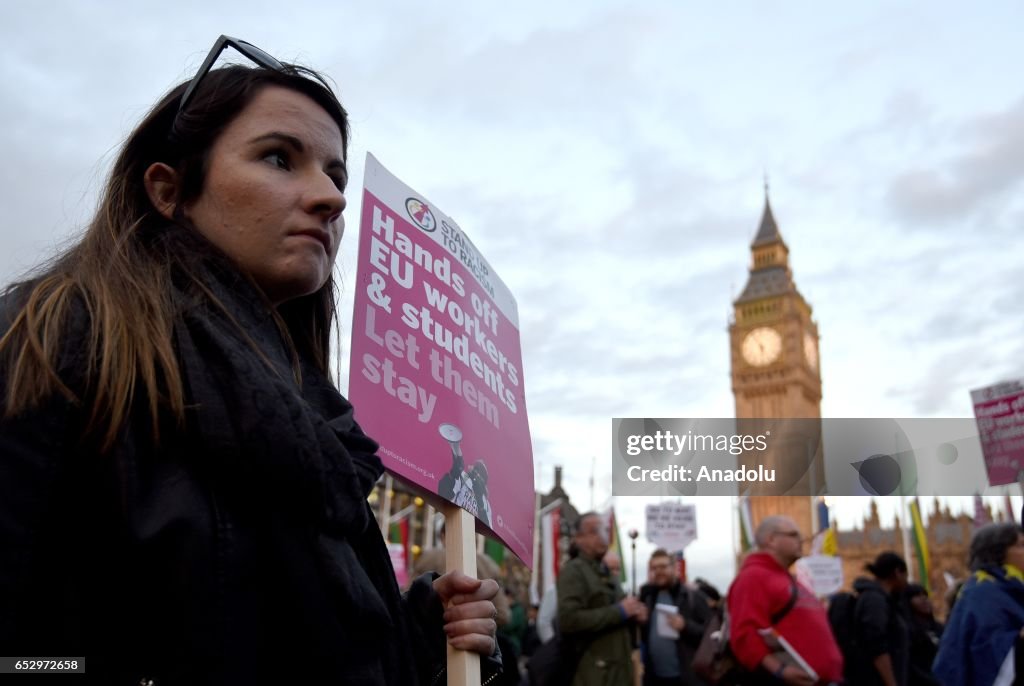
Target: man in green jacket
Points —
{"points": [[593, 613]]}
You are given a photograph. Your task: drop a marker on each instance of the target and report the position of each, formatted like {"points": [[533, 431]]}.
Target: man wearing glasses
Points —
{"points": [[765, 596], [672, 608]]}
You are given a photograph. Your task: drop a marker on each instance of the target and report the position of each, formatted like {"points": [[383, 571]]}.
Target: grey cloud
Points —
{"points": [[532, 80], [944, 383], [989, 165]]}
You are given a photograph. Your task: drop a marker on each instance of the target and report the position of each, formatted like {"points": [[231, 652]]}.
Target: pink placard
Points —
{"points": [[436, 365], [999, 412]]}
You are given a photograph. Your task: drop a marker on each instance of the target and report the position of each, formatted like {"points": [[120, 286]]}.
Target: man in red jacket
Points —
{"points": [[765, 595]]}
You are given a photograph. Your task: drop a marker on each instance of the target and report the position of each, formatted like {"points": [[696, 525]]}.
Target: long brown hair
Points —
{"points": [[120, 275]]}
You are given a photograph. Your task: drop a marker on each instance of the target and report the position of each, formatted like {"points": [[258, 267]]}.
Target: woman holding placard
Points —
{"points": [[184, 488]]}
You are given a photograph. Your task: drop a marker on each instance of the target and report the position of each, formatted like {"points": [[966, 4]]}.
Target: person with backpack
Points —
{"points": [[667, 660], [879, 649], [765, 596]]}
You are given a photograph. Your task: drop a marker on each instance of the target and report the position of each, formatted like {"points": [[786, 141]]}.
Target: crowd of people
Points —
{"points": [[881, 631]]}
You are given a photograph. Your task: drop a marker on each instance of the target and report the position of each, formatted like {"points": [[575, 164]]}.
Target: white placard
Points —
{"points": [[671, 526], [824, 572]]}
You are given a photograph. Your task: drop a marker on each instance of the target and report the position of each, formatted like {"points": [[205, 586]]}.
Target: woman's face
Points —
{"points": [[921, 604], [273, 194], [1015, 553]]}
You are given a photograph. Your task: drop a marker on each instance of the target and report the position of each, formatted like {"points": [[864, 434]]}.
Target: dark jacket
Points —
{"points": [[240, 549], [925, 633], [879, 627], [589, 614], [694, 609]]}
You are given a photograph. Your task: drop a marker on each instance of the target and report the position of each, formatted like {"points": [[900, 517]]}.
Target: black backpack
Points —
{"points": [[842, 618]]}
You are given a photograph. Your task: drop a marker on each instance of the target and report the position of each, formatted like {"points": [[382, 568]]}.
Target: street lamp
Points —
{"points": [[633, 533]]}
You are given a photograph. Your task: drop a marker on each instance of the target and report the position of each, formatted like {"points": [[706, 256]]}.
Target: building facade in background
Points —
{"points": [[949, 542]]}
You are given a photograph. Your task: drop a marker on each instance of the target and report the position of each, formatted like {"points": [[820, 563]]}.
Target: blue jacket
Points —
{"points": [[983, 629]]}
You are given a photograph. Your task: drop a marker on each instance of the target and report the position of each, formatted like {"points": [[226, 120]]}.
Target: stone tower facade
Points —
{"points": [[776, 374]]}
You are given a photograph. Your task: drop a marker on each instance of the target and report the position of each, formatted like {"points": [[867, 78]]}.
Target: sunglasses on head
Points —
{"points": [[248, 49]]}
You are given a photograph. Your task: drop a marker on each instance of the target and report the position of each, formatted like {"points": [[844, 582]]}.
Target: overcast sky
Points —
{"points": [[608, 158]]}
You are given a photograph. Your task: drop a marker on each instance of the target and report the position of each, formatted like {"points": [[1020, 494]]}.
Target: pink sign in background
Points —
{"points": [[999, 412], [436, 365], [400, 564]]}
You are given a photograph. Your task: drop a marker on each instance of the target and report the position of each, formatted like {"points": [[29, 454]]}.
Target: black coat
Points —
{"points": [[924, 645], [239, 549], [879, 627], [694, 608]]}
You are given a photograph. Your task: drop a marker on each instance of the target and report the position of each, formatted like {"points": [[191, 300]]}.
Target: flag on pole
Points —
{"points": [[398, 532], [615, 543], [494, 550], [822, 515], [746, 525], [829, 543], [534, 573], [680, 565], [920, 545], [549, 553], [398, 538], [824, 541]]}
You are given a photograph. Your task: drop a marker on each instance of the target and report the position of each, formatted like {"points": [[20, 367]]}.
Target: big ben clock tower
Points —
{"points": [[776, 375]]}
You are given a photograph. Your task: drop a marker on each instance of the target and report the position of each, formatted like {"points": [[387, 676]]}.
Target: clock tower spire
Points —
{"points": [[775, 375]]}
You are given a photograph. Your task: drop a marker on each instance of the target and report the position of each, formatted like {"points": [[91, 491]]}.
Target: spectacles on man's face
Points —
{"points": [[793, 534], [248, 49]]}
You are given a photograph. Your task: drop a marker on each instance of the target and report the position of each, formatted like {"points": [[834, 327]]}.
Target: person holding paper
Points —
{"points": [[183, 486], [765, 596], [677, 617], [592, 612]]}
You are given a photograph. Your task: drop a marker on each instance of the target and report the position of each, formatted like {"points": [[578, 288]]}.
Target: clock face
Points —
{"points": [[762, 346], [811, 351]]}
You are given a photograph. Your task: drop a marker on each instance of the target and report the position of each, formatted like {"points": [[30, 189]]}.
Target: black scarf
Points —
{"points": [[294, 455]]}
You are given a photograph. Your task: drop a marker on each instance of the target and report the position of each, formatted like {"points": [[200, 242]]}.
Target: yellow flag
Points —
{"points": [[920, 545], [829, 545]]}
